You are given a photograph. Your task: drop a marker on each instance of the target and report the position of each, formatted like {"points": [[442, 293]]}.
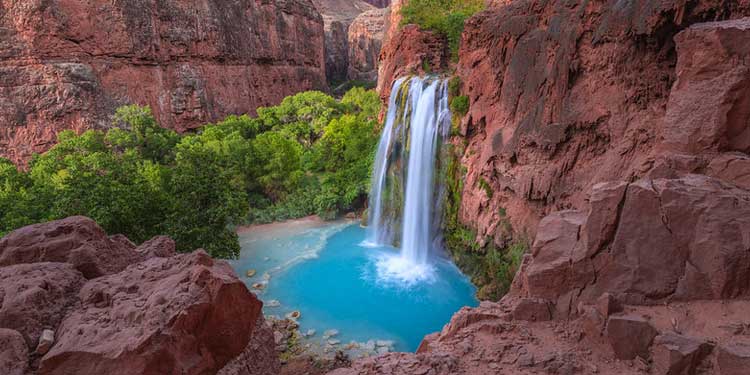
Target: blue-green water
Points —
{"points": [[321, 270]]}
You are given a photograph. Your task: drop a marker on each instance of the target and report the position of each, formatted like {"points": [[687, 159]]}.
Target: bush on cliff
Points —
{"points": [[310, 154], [445, 17]]}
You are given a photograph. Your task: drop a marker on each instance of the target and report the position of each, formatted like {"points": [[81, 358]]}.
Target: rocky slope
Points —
{"points": [[74, 301], [68, 64], [617, 138]]}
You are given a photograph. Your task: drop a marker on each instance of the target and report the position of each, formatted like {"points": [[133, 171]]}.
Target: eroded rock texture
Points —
{"points": [[565, 95], [69, 64], [145, 311]]}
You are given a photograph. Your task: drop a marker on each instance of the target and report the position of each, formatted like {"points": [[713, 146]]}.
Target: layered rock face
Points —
{"points": [[68, 65], [565, 95], [146, 310]]}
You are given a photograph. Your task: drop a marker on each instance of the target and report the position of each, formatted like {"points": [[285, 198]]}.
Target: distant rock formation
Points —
{"points": [[365, 41], [146, 310], [68, 65], [338, 15]]}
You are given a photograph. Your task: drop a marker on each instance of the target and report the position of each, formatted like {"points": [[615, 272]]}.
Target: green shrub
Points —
{"points": [[445, 17], [460, 105]]}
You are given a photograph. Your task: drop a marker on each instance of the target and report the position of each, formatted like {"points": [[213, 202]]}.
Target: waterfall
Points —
{"points": [[406, 194]]}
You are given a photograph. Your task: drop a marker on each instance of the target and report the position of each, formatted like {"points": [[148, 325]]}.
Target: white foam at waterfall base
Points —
{"points": [[398, 271]]}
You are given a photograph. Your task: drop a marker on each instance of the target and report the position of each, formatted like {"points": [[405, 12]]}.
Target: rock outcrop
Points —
{"points": [[68, 65], [598, 97], [408, 50], [78, 241], [146, 310]]}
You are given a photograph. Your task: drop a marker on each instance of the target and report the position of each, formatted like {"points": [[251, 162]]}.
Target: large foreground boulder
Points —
{"points": [[187, 314], [76, 240], [645, 242], [35, 297]]}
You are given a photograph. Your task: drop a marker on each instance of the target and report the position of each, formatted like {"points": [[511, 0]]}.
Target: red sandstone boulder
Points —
{"points": [[185, 314], [533, 310], [681, 239], [675, 354], [709, 106], [35, 297], [76, 240], [731, 167], [157, 247], [630, 336], [13, 353]]}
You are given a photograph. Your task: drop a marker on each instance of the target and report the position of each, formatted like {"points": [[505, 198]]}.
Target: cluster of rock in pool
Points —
{"points": [[291, 342]]}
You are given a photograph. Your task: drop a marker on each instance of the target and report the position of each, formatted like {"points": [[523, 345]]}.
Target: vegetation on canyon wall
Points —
{"points": [[445, 17], [491, 267], [310, 154]]}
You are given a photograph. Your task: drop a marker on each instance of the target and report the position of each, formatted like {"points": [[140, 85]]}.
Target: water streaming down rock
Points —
{"points": [[406, 196]]}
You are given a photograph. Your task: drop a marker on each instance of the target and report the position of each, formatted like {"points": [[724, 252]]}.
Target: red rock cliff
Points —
{"points": [[69, 64], [564, 95]]}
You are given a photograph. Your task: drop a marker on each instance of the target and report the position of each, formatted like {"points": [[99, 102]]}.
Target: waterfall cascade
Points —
{"points": [[406, 194]]}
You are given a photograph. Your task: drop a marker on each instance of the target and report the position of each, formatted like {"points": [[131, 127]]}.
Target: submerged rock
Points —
{"points": [[250, 273]]}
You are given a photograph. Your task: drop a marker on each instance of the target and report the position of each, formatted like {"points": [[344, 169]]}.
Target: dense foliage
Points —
{"points": [[310, 154], [445, 17]]}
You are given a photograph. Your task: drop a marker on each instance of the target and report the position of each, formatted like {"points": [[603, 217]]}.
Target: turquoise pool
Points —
{"points": [[323, 271]]}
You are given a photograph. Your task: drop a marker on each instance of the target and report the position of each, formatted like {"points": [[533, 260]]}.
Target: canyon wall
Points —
{"points": [[565, 95], [69, 64], [338, 15]]}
